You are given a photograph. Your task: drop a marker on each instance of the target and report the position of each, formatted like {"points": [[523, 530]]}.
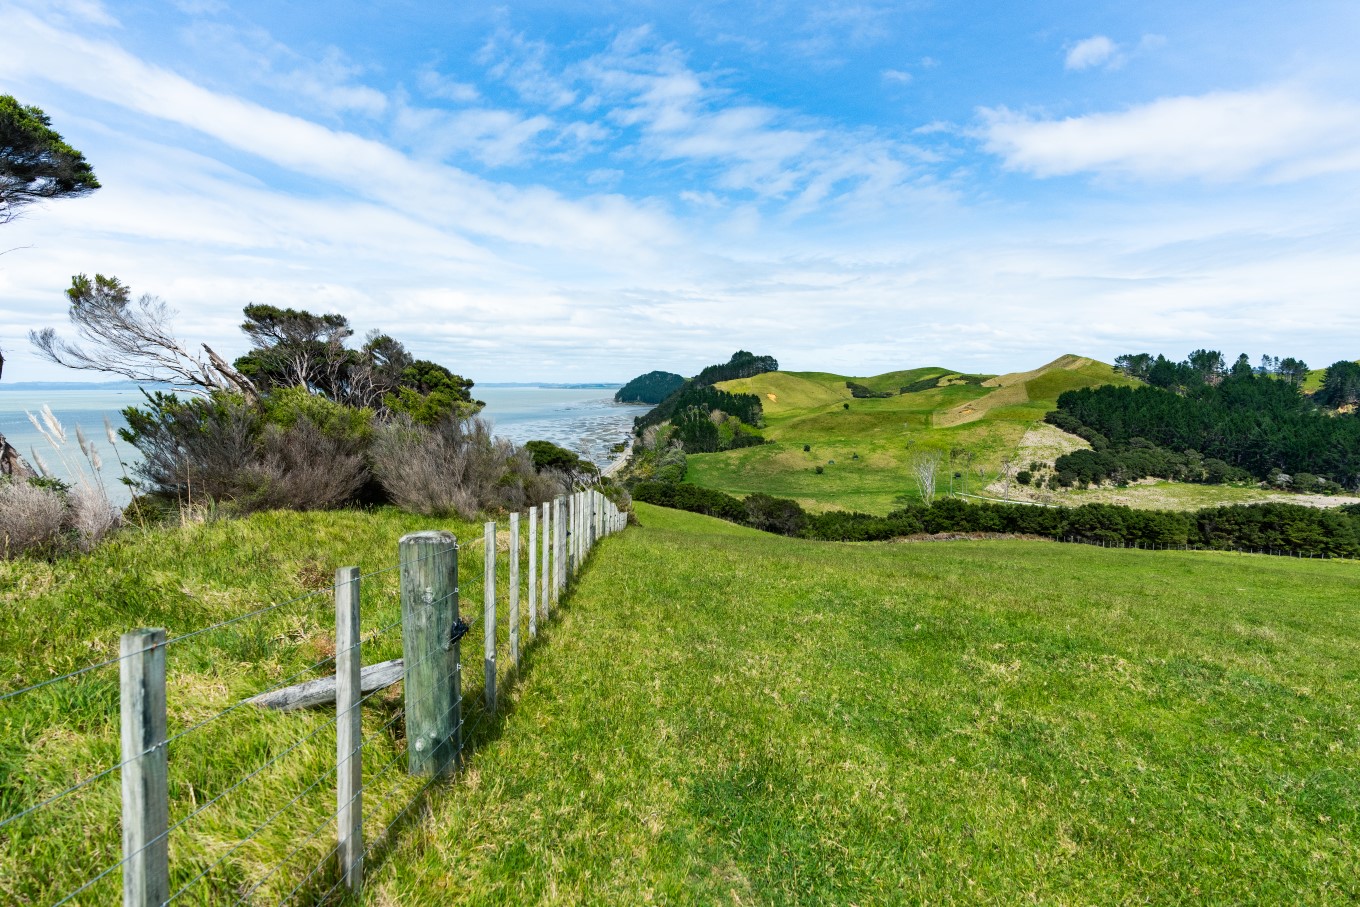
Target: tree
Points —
{"points": [[35, 162], [1340, 385], [924, 466], [133, 339], [1242, 367], [1293, 370], [1207, 365], [295, 348]]}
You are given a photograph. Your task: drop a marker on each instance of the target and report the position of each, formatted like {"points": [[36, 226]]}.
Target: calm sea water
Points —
{"points": [[586, 420]]}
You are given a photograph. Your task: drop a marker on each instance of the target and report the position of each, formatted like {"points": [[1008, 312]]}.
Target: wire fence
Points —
{"points": [[1138, 545], [237, 784]]}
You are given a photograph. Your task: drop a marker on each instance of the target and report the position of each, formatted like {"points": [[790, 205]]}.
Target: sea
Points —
{"points": [[581, 418]]}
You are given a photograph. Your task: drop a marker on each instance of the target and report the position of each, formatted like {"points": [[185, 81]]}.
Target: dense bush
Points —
{"points": [[1142, 459], [742, 365], [1278, 527], [1255, 424], [862, 392], [459, 467], [298, 451], [705, 400]]}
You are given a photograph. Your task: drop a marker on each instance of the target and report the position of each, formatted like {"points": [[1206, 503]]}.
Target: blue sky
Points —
{"points": [[580, 191]]}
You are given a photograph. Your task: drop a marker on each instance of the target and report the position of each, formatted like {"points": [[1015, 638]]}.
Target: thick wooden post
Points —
{"points": [[146, 786], [489, 616], [429, 613], [533, 572], [514, 590], [349, 731]]}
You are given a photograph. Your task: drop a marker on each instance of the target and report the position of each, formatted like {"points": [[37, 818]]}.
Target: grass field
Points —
{"points": [[726, 717], [57, 617], [864, 450]]}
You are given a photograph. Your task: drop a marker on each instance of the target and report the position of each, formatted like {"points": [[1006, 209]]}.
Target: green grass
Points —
{"points": [[808, 408], [56, 617], [726, 717], [1312, 382]]}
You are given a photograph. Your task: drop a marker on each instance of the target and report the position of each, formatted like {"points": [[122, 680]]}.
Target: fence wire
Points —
{"points": [[550, 574]]}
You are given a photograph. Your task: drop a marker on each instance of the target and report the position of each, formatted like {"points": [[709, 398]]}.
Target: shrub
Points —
{"points": [[1024, 477], [820, 469], [457, 467], [31, 518], [303, 467]]}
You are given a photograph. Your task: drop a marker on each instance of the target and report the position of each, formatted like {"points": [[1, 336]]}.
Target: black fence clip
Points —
{"points": [[459, 629]]}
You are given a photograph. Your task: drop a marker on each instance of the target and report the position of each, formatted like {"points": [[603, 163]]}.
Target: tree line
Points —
{"points": [[1256, 527], [1197, 421]]}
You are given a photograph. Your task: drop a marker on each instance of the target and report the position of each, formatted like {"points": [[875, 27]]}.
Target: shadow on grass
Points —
{"points": [[483, 728]]}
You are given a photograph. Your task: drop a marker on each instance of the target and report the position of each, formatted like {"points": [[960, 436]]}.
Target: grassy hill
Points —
{"points": [[727, 717], [1312, 383], [988, 415]]}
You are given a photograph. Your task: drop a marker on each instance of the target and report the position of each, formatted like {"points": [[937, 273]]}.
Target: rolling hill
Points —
{"points": [[864, 445]]}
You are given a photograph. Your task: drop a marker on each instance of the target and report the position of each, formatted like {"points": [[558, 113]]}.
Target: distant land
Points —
{"points": [[133, 385], [602, 385], [78, 386]]}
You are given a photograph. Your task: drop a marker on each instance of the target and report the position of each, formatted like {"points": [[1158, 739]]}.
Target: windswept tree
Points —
{"points": [[35, 162], [133, 339]]}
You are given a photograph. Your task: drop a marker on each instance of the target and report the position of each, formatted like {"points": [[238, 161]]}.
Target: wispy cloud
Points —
{"points": [[899, 76], [1275, 134], [675, 113], [329, 82]]}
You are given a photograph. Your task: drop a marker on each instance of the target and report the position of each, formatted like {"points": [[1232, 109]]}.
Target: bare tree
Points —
{"points": [[133, 339], [1007, 470], [924, 465]]}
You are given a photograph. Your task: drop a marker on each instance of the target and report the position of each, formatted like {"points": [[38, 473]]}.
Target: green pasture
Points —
{"points": [[726, 717]]}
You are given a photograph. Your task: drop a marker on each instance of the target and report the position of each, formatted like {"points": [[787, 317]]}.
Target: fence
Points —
{"points": [[1158, 546], [197, 829]]}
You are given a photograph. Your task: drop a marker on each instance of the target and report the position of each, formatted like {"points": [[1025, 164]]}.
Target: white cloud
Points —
{"points": [[523, 64], [1090, 52], [1275, 134], [493, 137], [443, 88], [445, 195], [666, 111], [896, 75], [327, 83]]}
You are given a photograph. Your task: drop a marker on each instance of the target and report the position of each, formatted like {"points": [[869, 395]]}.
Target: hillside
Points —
{"points": [[728, 717], [873, 440]]}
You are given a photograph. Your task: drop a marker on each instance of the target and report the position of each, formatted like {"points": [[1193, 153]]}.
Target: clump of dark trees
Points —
{"points": [[859, 391], [704, 419], [305, 420], [650, 388], [1275, 527], [1198, 421]]}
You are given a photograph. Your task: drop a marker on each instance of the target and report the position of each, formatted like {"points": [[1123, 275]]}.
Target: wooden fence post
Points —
{"points": [[489, 615], [514, 590], [429, 614], [559, 547], [349, 730], [146, 786], [533, 572], [545, 581]]}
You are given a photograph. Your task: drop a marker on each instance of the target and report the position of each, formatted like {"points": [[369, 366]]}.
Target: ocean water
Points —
{"points": [[585, 420]]}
